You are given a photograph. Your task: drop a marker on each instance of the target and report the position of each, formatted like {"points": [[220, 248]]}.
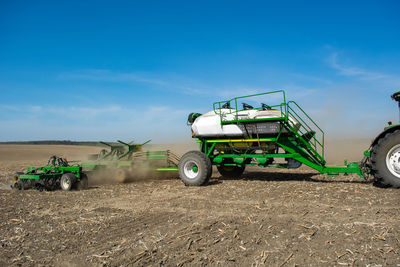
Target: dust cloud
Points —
{"points": [[338, 150], [178, 148], [141, 171]]}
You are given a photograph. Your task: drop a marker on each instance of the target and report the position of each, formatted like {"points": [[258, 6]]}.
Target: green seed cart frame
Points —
{"points": [[290, 142]]}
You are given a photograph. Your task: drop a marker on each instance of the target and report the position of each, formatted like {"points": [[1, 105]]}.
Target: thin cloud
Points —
{"points": [[90, 113], [82, 112], [310, 78], [353, 71], [186, 86], [238, 91], [171, 82], [110, 76], [175, 84], [92, 123], [14, 108]]}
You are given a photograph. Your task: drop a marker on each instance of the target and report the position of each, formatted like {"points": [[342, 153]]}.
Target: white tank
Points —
{"points": [[209, 124]]}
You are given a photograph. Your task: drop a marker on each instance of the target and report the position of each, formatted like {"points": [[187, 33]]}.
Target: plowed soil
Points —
{"points": [[270, 217]]}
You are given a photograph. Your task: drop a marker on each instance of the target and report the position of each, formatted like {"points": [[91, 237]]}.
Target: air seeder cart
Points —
{"points": [[283, 135]]}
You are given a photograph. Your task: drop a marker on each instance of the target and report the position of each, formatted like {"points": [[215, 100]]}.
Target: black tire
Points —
{"points": [[231, 171], [385, 159], [83, 183], [195, 168], [17, 184], [67, 181], [21, 184]]}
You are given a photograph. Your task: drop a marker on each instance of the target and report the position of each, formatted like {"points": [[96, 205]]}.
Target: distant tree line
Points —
{"points": [[53, 142]]}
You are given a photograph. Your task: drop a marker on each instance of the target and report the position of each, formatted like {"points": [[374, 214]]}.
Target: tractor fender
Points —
{"points": [[388, 129]]}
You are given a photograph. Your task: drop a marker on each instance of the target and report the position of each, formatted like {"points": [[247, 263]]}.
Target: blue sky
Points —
{"points": [[106, 70]]}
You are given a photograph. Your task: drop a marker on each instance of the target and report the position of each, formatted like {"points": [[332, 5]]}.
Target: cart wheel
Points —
{"points": [[83, 182], [231, 171], [385, 159], [195, 168], [67, 181]]}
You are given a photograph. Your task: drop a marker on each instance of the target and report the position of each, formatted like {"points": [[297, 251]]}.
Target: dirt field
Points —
{"points": [[270, 217]]}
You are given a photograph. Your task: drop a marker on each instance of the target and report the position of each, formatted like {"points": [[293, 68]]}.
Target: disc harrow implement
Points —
{"points": [[121, 158]]}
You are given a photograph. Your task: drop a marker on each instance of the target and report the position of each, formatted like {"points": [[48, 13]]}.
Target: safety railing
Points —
{"points": [[297, 120], [316, 141], [232, 107]]}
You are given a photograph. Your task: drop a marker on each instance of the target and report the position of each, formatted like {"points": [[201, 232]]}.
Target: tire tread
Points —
{"points": [[204, 160], [377, 157]]}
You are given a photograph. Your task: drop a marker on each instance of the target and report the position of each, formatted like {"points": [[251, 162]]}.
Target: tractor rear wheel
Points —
{"points": [[67, 181], [195, 168], [231, 171], [385, 159]]}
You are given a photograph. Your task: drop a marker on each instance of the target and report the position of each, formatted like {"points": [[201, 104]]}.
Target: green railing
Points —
{"points": [[289, 112], [235, 109], [317, 141]]}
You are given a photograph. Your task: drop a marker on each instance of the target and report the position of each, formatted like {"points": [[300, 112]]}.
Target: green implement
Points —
{"points": [[57, 174], [280, 134], [121, 159]]}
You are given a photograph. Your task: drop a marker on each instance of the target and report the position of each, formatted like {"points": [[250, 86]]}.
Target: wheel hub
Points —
{"points": [[393, 160], [65, 183], [191, 169]]}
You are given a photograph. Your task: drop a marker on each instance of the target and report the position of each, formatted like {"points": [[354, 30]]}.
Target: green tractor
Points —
{"points": [[382, 159], [283, 135]]}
